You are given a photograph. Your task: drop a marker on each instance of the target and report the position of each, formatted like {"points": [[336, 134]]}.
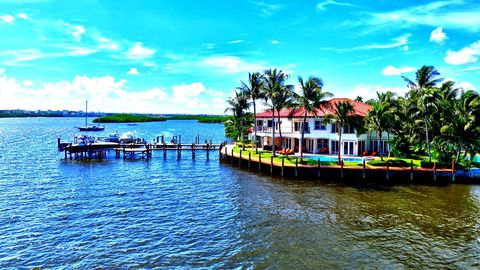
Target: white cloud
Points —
{"points": [[274, 42], [8, 18], [105, 43], [466, 86], [27, 83], [465, 55], [139, 52], [78, 31], [188, 90], [236, 41], [23, 16], [266, 9], [451, 14], [438, 36], [405, 48], [400, 41], [79, 51], [209, 46], [394, 71], [148, 64], [231, 64], [133, 71], [103, 93], [322, 5]]}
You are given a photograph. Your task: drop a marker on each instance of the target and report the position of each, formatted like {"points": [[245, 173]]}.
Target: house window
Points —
{"points": [[319, 125], [298, 127], [361, 147], [259, 122], [348, 129], [269, 123], [334, 128], [379, 147], [322, 143], [334, 147]]}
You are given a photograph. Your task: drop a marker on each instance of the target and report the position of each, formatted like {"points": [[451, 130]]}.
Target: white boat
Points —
{"points": [[127, 137]]}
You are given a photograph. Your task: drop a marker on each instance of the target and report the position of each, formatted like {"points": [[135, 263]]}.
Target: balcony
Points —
{"points": [[263, 129], [307, 131]]}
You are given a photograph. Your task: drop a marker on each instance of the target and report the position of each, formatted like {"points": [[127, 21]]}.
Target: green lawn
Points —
{"points": [[291, 159]]}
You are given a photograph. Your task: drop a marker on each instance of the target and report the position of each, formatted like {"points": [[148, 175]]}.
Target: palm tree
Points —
{"points": [[238, 106], [390, 104], [277, 96], [425, 78], [343, 114], [376, 121], [254, 90], [311, 99]]}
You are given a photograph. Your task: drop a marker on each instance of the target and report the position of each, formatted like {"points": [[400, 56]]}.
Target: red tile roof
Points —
{"points": [[360, 108]]}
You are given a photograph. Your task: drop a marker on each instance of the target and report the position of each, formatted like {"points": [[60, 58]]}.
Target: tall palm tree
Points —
{"points": [[277, 96], [425, 78], [376, 121], [343, 114], [238, 106], [254, 90], [390, 104], [311, 99]]}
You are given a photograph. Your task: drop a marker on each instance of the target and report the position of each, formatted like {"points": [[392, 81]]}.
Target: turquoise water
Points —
{"points": [[185, 213]]}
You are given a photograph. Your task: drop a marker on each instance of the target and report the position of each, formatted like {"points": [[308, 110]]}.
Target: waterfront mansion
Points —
{"points": [[319, 137]]}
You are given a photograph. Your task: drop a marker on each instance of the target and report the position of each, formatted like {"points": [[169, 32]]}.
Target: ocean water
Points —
{"points": [[185, 213]]}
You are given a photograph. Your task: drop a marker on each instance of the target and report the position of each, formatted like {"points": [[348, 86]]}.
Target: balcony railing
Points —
{"points": [[307, 130], [263, 129]]}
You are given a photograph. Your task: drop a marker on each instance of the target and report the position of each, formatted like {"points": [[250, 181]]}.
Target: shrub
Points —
{"points": [[390, 162], [439, 165]]}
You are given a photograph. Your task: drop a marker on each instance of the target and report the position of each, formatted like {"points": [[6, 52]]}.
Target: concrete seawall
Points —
{"points": [[400, 175]]}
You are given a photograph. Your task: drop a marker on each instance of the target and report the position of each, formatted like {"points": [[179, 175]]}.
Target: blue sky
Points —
{"points": [[188, 56]]}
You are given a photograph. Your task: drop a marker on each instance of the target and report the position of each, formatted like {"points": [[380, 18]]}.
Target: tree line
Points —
{"points": [[434, 118]]}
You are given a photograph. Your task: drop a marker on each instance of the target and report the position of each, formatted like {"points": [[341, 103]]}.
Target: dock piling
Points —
{"points": [[363, 174], [411, 170], [453, 171], [296, 167], [318, 167], [259, 161], [271, 165]]}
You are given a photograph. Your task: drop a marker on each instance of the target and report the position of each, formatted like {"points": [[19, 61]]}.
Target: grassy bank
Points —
{"points": [[127, 118]]}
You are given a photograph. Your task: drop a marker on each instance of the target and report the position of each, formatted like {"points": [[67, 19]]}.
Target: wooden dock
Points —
{"points": [[133, 150]]}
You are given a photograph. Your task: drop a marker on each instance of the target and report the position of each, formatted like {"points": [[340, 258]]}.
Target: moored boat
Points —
{"points": [[87, 127]]}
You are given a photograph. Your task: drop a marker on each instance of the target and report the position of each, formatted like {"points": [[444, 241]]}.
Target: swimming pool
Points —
{"points": [[333, 158]]}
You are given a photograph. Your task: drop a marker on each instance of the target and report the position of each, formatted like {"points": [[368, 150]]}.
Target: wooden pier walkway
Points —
{"points": [[132, 150]]}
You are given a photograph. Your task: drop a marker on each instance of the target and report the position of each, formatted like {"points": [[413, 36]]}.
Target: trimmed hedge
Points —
{"points": [[390, 162]]}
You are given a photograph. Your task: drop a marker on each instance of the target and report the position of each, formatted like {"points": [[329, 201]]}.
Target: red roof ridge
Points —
{"points": [[360, 108]]}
